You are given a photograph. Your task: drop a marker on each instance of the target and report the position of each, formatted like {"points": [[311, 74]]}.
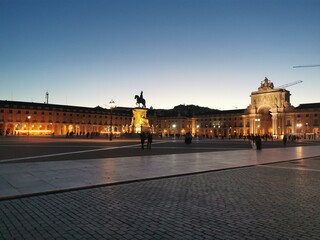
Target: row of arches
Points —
{"points": [[55, 129]]}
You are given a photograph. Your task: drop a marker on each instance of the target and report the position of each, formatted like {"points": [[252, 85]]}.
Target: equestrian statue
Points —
{"points": [[140, 100]]}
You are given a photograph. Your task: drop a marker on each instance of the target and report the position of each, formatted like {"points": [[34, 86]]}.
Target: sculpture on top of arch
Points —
{"points": [[266, 84]]}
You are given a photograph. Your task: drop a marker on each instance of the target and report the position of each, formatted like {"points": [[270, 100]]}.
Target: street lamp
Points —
{"points": [[197, 131], [299, 126], [256, 120], [112, 105], [174, 130], [29, 117]]}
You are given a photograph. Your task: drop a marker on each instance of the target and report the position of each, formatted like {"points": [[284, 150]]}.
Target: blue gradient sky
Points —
{"points": [[208, 53]]}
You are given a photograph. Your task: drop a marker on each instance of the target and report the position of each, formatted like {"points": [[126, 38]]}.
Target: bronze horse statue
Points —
{"points": [[140, 100]]}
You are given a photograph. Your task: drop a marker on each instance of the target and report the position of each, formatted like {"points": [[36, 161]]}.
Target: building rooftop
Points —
{"points": [[308, 106]]}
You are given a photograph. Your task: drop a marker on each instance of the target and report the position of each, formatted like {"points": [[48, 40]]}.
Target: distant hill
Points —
{"points": [[190, 110]]}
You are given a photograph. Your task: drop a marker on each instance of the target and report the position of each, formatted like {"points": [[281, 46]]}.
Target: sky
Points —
{"points": [[211, 53]]}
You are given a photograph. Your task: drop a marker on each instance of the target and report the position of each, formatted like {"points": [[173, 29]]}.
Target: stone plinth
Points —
{"points": [[139, 120]]}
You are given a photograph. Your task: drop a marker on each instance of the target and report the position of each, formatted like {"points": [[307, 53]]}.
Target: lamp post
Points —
{"points": [[256, 120], [213, 131], [174, 130], [29, 117], [197, 131], [299, 126], [112, 105]]}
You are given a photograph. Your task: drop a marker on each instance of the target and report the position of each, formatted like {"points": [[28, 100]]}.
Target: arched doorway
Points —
{"points": [[265, 120]]}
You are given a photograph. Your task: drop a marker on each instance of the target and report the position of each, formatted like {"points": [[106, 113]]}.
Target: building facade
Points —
{"points": [[269, 113], [25, 118]]}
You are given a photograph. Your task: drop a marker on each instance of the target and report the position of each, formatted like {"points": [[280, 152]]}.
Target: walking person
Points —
{"points": [[149, 140], [143, 139], [258, 142], [284, 140]]}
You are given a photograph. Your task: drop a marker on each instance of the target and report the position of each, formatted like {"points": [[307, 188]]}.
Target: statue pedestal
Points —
{"points": [[139, 122]]}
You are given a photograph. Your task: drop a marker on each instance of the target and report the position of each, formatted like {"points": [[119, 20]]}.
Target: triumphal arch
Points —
{"points": [[268, 110]]}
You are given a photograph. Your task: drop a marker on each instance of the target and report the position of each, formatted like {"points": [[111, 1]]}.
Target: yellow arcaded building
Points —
{"points": [[269, 113]]}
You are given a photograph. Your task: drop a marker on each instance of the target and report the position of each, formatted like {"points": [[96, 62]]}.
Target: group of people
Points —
{"points": [[144, 137]]}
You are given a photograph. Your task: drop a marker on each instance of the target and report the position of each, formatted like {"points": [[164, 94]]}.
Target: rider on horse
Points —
{"points": [[140, 99]]}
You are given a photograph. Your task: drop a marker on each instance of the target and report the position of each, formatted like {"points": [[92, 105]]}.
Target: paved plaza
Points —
{"points": [[216, 194]]}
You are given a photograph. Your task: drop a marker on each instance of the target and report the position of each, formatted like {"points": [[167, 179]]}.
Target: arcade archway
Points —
{"points": [[265, 121]]}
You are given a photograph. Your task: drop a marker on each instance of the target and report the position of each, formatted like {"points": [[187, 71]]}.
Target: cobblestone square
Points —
{"points": [[274, 201]]}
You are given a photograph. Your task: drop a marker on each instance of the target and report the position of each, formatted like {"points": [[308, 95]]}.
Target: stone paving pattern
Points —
{"points": [[276, 201]]}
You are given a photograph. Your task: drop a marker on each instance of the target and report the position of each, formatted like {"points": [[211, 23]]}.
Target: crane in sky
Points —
{"points": [[305, 66], [290, 84]]}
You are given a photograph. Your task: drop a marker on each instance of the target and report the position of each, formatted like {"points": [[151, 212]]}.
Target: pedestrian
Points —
{"points": [[149, 140], [143, 139], [188, 138], [258, 142], [284, 140]]}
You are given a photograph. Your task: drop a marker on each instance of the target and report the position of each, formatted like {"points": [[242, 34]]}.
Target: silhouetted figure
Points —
{"points": [[143, 139], [258, 142], [149, 140], [188, 138], [284, 140]]}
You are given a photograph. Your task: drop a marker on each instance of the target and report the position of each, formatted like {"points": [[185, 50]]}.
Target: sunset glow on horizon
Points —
{"points": [[207, 53]]}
